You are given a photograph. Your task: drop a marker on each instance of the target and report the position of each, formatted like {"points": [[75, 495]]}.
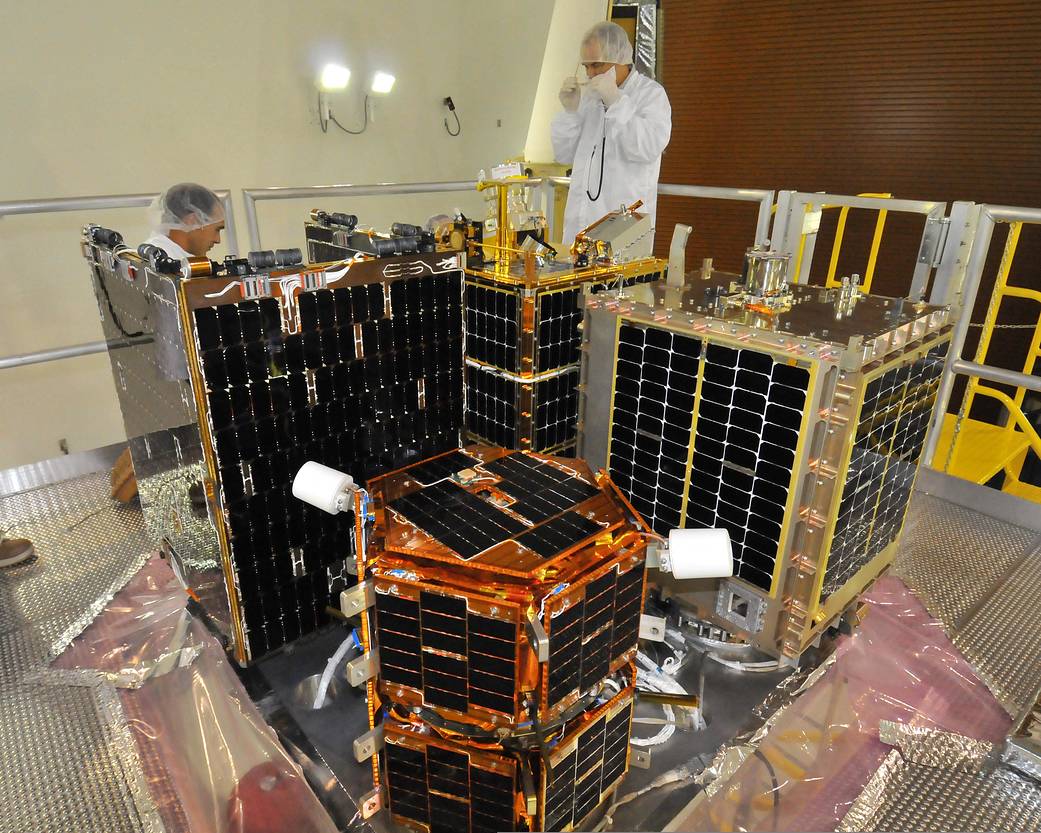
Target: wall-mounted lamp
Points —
{"points": [[336, 77], [382, 83]]}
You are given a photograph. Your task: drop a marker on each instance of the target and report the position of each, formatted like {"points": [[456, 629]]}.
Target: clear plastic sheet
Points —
{"points": [[211, 762], [815, 756]]}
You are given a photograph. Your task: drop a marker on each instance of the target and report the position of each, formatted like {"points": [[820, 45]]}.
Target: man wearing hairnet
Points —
{"points": [[186, 220], [612, 132]]}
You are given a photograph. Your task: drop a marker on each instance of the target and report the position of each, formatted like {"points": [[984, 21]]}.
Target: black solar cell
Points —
{"points": [[556, 535], [890, 435], [277, 398], [442, 467]]}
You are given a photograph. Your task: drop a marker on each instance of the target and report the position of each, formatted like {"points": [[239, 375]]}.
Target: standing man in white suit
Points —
{"points": [[612, 132]]}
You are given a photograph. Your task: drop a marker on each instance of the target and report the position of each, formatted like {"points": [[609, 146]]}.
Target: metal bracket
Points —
{"points": [[652, 628], [933, 240], [364, 668], [371, 803], [640, 758], [531, 799], [677, 255], [367, 745], [355, 599], [654, 553], [537, 637]]}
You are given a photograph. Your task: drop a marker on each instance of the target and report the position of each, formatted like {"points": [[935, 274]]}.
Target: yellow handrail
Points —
{"points": [[840, 231], [876, 243], [1017, 419]]}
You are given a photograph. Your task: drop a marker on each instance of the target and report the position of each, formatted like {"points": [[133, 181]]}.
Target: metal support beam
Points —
{"points": [[110, 201], [965, 301], [91, 347], [996, 374], [764, 198]]}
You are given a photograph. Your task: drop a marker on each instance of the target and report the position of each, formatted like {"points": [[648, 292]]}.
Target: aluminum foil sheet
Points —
{"points": [[982, 578], [928, 747]]}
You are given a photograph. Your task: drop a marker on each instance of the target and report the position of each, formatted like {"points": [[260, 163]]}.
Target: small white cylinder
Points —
{"points": [[701, 553], [321, 486]]}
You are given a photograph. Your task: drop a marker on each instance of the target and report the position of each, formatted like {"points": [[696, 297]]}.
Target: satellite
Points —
{"points": [[230, 375], [792, 416]]}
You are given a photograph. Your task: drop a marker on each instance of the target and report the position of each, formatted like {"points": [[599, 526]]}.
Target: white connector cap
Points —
{"points": [[700, 553], [323, 487]]}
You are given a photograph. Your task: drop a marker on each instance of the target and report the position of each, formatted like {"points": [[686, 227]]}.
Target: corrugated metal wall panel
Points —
{"points": [[932, 100]]}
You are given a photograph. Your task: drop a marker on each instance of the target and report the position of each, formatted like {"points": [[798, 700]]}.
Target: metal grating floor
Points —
{"points": [[67, 760], [981, 577], [952, 556], [87, 547], [903, 795]]}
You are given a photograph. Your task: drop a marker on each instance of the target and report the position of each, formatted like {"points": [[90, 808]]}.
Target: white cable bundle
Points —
{"points": [[651, 678]]}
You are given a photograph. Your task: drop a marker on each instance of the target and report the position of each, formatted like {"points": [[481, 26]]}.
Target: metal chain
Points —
{"points": [[1009, 326]]}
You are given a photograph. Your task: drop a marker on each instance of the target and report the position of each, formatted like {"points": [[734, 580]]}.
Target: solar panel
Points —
{"points": [[558, 338], [445, 789], [561, 533], [351, 388], [578, 781], [492, 326], [491, 407], [556, 408], [456, 658], [744, 453], [523, 348], [541, 489], [458, 519], [744, 420], [795, 428], [441, 467], [651, 421], [597, 628], [889, 439]]}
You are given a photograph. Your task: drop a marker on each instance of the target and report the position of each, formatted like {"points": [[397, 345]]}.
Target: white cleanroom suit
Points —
{"points": [[626, 139]]}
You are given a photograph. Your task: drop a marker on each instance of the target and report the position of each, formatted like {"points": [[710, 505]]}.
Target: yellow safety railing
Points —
{"points": [[978, 450], [836, 247]]}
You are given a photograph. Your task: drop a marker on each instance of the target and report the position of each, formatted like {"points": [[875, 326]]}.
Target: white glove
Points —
{"points": [[605, 85], [569, 94]]}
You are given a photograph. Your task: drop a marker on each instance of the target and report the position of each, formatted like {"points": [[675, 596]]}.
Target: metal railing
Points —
{"points": [[987, 219], [251, 196], [547, 186], [12, 208], [797, 221]]}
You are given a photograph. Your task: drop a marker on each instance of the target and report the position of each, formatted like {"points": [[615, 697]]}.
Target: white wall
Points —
{"points": [[116, 96], [571, 19]]}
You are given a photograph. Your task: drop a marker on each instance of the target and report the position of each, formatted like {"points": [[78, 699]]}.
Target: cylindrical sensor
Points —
{"points": [[701, 553], [765, 272], [322, 487], [405, 230]]}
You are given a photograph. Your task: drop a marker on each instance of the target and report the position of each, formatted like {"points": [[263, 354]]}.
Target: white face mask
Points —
{"points": [[584, 77]]}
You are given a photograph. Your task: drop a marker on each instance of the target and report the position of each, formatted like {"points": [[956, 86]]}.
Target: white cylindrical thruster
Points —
{"points": [[701, 553], [322, 486]]}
